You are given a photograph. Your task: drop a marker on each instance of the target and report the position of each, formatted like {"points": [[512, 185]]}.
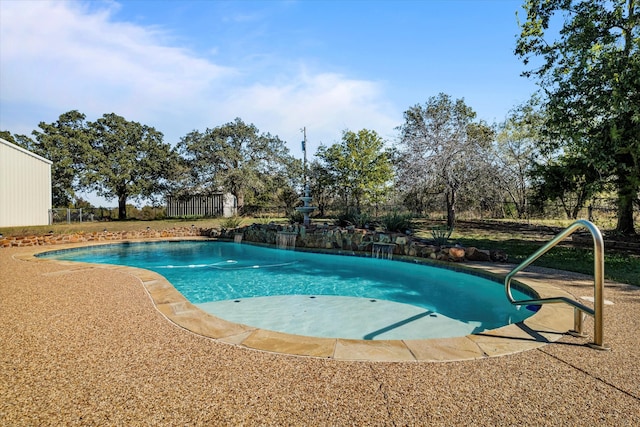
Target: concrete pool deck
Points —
{"points": [[84, 344]]}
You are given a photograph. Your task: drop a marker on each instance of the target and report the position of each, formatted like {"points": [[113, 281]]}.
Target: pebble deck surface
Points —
{"points": [[88, 346]]}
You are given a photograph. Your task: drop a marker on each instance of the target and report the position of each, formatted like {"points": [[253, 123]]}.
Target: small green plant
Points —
{"points": [[344, 219], [441, 234], [359, 220], [362, 220], [296, 217], [397, 222], [262, 219], [231, 222]]}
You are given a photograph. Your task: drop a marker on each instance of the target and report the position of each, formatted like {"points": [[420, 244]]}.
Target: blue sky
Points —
{"points": [[282, 65]]}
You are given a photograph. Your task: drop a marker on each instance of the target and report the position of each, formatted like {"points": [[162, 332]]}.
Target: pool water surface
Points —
{"points": [[318, 295]]}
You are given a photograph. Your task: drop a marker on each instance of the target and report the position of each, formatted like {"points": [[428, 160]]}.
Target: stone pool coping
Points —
{"points": [[548, 325]]}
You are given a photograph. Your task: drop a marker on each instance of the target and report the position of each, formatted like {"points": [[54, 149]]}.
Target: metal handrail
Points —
{"points": [[598, 266]]}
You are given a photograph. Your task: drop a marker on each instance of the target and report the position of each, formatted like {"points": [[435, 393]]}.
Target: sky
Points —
{"points": [[324, 65]]}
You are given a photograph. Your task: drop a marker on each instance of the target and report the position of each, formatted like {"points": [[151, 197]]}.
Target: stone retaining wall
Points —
{"points": [[323, 237], [97, 236], [358, 240]]}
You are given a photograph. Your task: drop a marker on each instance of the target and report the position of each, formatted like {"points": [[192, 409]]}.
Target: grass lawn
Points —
{"points": [[518, 240]]}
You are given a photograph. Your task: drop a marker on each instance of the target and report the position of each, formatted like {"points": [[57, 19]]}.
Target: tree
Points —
{"points": [[359, 166], [442, 149], [64, 142], [515, 151], [321, 185], [19, 140], [125, 160], [569, 180], [277, 189], [591, 77], [6, 135], [233, 157]]}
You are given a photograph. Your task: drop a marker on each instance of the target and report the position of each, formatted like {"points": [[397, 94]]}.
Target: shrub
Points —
{"points": [[441, 235], [231, 222], [262, 219], [397, 222], [359, 220], [296, 217]]}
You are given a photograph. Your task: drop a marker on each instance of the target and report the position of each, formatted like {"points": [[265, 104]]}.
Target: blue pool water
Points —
{"points": [[318, 294]]}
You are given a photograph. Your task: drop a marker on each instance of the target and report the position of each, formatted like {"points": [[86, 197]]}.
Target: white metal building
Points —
{"points": [[25, 187], [207, 205]]}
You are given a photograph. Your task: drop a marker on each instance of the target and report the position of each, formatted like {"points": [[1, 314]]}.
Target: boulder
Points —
{"points": [[401, 240], [456, 254], [384, 238], [475, 254]]}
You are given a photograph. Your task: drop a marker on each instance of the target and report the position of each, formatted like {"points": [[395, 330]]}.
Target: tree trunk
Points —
{"points": [[627, 193], [565, 207], [122, 206], [581, 200], [239, 200], [450, 197]]}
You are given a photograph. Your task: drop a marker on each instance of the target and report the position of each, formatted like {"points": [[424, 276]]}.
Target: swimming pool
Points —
{"points": [[317, 295]]}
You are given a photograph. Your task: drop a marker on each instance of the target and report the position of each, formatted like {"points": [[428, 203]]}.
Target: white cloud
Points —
{"points": [[57, 56], [60, 55], [325, 103]]}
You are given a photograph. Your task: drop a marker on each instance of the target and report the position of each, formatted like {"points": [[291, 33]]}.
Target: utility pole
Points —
{"points": [[305, 209], [304, 153]]}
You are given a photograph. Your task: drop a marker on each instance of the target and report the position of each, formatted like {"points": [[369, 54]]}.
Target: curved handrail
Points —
{"points": [[598, 266]]}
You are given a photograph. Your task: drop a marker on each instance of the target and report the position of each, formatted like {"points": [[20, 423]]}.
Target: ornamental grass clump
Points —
{"points": [[398, 222], [441, 235]]}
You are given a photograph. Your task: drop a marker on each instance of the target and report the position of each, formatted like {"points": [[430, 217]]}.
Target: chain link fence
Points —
{"points": [[69, 215]]}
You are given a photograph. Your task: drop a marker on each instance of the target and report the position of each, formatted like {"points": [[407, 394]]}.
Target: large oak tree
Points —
{"points": [[125, 160], [65, 143], [586, 57], [234, 157]]}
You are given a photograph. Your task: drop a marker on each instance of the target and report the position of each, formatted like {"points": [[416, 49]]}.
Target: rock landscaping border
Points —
{"points": [[323, 237]]}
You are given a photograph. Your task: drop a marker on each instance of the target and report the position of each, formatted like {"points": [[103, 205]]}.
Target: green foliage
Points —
{"points": [[296, 217], [358, 220], [125, 160], [112, 156], [148, 213], [66, 143], [515, 153], [358, 167], [397, 222], [442, 149], [278, 189], [231, 222], [441, 234], [565, 179], [623, 268], [322, 186], [589, 73], [236, 158], [6, 135], [263, 219]]}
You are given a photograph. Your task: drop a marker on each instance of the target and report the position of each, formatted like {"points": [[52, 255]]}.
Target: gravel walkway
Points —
{"points": [[88, 347]]}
